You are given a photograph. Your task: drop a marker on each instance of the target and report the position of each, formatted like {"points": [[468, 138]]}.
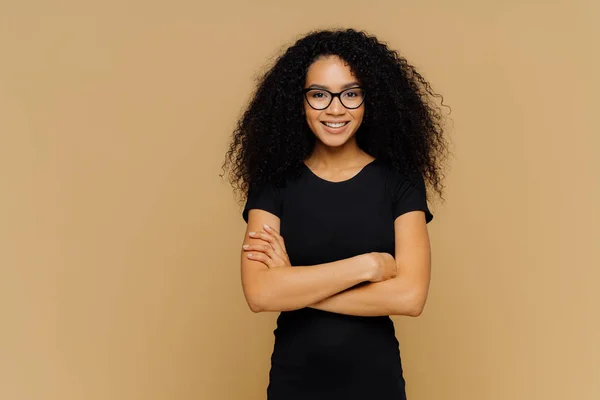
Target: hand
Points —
{"points": [[384, 266], [272, 253]]}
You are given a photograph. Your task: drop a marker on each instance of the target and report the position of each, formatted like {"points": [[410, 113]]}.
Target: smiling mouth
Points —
{"points": [[336, 124]]}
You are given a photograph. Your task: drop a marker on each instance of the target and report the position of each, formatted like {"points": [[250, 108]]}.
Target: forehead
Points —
{"points": [[331, 72]]}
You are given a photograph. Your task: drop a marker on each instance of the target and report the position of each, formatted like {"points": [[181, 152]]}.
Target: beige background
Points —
{"points": [[119, 243]]}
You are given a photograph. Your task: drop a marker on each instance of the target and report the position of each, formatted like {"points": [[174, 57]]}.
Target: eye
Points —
{"points": [[353, 93], [317, 94]]}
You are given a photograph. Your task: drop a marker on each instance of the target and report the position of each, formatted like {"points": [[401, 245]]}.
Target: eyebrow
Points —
{"points": [[346, 86]]}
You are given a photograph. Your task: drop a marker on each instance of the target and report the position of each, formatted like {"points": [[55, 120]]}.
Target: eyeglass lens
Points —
{"points": [[320, 99]]}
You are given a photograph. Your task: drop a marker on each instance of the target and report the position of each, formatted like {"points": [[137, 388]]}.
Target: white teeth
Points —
{"points": [[335, 125]]}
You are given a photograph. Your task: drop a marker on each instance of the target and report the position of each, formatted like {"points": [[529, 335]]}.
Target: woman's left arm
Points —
{"points": [[405, 294]]}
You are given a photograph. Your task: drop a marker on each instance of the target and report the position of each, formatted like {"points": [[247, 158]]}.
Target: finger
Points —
{"points": [[263, 248], [263, 258], [272, 240], [276, 233], [280, 257], [277, 260]]}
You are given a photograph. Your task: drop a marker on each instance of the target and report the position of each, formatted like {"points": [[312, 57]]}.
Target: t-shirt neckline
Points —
{"points": [[352, 178]]}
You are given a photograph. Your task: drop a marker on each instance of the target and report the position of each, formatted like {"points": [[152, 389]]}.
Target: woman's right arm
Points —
{"points": [[291, 288]]}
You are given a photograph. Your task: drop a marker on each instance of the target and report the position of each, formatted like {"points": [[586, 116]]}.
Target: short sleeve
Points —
{"points": [[410, 196], [267, 197]]}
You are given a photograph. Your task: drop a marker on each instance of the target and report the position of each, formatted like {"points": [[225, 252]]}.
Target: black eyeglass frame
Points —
{"points": [[334, 95]]}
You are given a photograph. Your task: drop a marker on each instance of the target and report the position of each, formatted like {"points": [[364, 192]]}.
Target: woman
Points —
{"points": [[332, 152]]}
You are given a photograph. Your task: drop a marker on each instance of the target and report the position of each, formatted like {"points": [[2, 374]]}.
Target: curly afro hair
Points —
{"points": [[402, 125]]}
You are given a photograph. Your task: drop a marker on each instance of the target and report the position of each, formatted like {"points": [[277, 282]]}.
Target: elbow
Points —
{"points": [[255, 302], [418, 305], [412, 305], [255, 306], [256, 309], [259, 306], [260, 299], [259, 302], [416, 310]]}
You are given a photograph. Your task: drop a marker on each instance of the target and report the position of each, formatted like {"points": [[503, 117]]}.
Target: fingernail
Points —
{"points": [[252, 233], [245, 246], [267, 226]]}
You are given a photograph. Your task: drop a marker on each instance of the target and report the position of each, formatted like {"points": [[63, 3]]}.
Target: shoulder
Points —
{"points": [[402, 176], [395, 177], [407, 190], [265, 196]]}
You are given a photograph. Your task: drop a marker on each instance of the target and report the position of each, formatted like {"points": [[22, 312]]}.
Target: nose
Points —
{"points": [[336, 107]]}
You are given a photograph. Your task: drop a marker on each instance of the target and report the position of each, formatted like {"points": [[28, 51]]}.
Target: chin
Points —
{"points": [[333, 140]]}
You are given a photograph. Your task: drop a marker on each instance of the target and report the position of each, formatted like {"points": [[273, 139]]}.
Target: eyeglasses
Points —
{"points": [[320, 99]]}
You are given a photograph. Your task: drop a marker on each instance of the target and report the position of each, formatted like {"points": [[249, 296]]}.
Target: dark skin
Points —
{"points": [[336, 157], [271, 252]]}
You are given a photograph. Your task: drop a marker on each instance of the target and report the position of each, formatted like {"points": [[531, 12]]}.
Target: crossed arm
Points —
{"points": [[270, 284]]}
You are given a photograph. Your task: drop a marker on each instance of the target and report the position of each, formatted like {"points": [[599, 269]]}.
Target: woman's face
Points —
{"points": [[332, 73]]}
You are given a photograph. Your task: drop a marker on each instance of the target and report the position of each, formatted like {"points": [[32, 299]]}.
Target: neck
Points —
{"points": [[338, 157]]}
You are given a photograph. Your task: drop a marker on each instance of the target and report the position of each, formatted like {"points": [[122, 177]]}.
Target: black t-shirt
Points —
{"points": [[324, 221]]}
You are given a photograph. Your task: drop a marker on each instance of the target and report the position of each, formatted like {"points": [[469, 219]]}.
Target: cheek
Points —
{"points": [[358, 114], [312, 116]]}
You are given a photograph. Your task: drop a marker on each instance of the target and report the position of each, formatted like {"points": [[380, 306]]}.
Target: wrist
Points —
{"points": [[369, 267]]}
